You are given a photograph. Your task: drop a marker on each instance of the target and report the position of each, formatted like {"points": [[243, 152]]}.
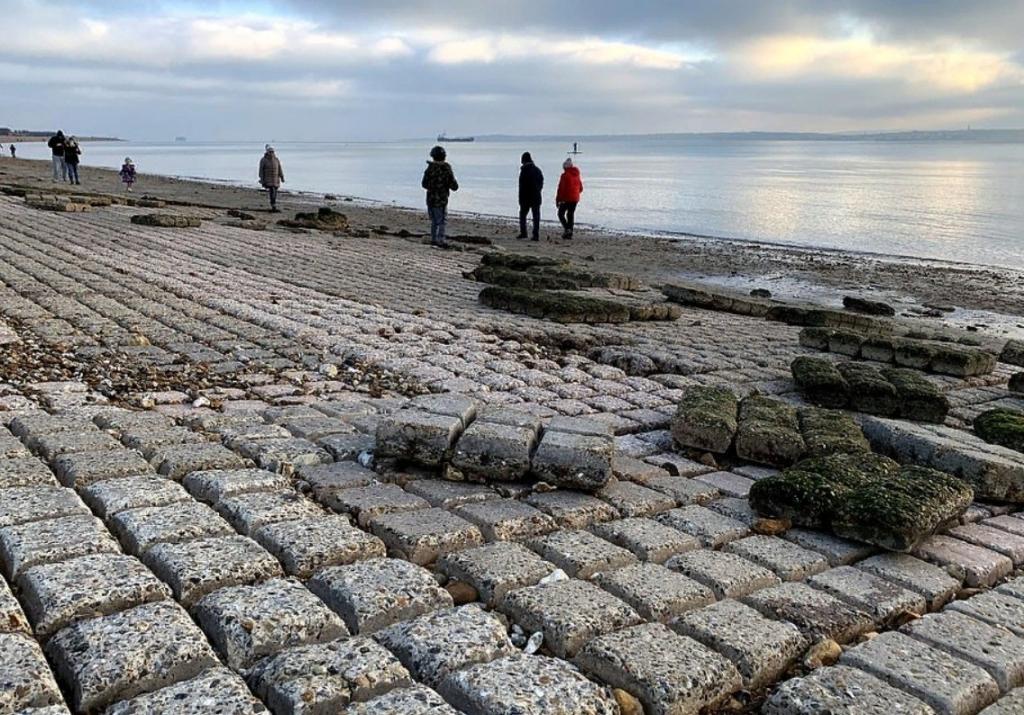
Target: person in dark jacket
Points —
{"points": [[71, 153], [531, 183], [439, 181], [56, 144], [271, 175]]}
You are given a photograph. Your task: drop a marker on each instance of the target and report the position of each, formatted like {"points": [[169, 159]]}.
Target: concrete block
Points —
{"points": [[306, 546], [496, 569], [646, 538]]}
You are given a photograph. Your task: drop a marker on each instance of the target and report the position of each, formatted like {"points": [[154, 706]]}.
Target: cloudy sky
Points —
{"points": [[310, 69]]}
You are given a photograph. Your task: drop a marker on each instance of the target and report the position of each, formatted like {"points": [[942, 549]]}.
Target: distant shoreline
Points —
{"points": [[20, 139]]}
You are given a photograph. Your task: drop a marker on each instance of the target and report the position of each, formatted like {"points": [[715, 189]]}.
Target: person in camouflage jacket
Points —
{"points": [[439, 181]]}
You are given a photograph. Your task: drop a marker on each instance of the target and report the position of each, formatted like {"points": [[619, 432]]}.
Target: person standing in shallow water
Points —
{"points": [[531, 183], [271, 175], [570, 186], [439, 181]]}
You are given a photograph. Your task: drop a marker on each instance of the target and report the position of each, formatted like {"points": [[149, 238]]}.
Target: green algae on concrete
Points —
{"points": [[517, 261], [878, 348], [768, 432], [845, 342], [820, 381], [962, 361], [913, 353], [1001, 426], [559, 307], [1013, 353], [830, 432], [815, 338], [898, 512], [919, 398], [706, 419], [868, 390]]}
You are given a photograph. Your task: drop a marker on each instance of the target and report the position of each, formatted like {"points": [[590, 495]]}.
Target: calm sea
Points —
{"points": [[944, 200]]}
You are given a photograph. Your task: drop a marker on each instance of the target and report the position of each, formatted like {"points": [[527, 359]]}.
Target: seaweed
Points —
{"points": [[1001, 426], [768, 432], [820, 381], [869, 391], [706, 419], [830, 432], [919, 398]]}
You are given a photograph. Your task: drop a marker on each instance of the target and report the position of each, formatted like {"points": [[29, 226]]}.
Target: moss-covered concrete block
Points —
{"points": [[845, 342], [1003, 427], [869, 391], [897, 513], [768, 432], [815, 338], [878, 348], [918, 398], [820, 381], [1016, 383], [555, 306], [962, 361], [830, 432], [706, 418], [1013, 353], [810, 492], [913, 353]]}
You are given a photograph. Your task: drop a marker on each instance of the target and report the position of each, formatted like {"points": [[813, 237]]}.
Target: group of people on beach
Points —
{"points": [[65, 153], [439, 181]]}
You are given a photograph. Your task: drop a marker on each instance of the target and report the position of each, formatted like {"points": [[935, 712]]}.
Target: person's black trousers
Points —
{"points": [[523, 210], [567, 216]]}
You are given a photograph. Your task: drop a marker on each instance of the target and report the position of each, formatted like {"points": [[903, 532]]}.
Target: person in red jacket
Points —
{"points": [[570, 186]]}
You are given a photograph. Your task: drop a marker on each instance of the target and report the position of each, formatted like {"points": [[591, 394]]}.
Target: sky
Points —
{"points": [[388, 69]]}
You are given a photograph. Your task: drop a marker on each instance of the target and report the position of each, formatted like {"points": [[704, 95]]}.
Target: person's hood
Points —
{"points": [[573, 170]]}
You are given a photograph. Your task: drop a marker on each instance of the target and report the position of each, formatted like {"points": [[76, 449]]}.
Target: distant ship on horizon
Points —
{"points": [[180, 139], [443, 137]]}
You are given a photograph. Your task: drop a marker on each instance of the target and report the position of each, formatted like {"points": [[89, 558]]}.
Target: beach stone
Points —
{"points": [[646, 538], [684, 489], [56, 595], [568, 613], [129, 653], [711, 528], [581, 554], [417, 700], [51, 446], [973, 564], [815, 613], [706, 419], [24, 471], [921, 577], [884, 600], [325, 677], [434, 645], [727, 575], [840, 690], [447, 495], [574, 461], [26, 678], [534, 685], [761, 649], [20, 505], [949, 685], [423, 535], [248, 512], [488, 451], [573, 510], [283, 455], [112, 496], [306, 546], [994, 649], [373, 594], [211, 486], [655, 592], [838, 551], [347, 447], [26, 426], [632, 500], [367, 503], [789, 561], [419, 437], [44, 542], [507, 519], [85, 468], [196, 568], [996, 608], [997, 540], [768, 433], [217, 690], [12, 618], [667, 672], [176, 461], [141, 528], [495, 569], [246, 623]]}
